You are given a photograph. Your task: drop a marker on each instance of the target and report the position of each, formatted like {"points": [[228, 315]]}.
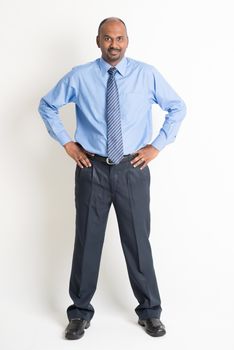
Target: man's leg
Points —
{"points": [[93, 200], [131, 202]]}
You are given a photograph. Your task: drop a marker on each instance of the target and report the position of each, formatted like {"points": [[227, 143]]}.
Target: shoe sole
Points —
{"points": [[160, 334], [75, 337]]}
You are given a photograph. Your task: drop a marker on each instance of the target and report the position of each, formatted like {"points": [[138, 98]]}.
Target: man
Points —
{"points": [[113, 97]]}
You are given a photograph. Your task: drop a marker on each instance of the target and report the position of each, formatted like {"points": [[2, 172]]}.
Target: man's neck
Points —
{"points": [[113, 64]]}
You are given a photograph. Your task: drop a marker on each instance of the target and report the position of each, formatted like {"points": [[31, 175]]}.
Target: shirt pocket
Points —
{"points": [[134, 106]]}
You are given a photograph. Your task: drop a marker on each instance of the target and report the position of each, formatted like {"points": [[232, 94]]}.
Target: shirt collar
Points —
{"points": [[121, 66]]}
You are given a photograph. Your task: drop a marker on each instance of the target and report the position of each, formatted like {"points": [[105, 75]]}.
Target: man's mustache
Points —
{"points": [[113, 49]]}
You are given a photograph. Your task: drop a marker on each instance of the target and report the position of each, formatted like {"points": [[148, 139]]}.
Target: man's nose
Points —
{"points": [[114, 43]]}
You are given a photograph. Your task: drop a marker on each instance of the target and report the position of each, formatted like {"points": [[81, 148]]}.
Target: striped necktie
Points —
{"points": [[114, 131]]}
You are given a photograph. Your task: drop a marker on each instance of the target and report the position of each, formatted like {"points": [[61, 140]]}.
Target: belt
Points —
{"points": [[109, 162]]}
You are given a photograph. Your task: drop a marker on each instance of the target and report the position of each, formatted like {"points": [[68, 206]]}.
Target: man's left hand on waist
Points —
{"points": [[145, 155]]}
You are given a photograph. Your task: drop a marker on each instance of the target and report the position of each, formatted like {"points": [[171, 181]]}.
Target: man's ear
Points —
{"points": [[97, 41], [128, 40]]}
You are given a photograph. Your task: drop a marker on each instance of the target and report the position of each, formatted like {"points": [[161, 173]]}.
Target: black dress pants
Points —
{"points": [[128, 188]]}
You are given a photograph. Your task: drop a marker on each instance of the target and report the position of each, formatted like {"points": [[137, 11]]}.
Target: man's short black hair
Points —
{"points": [[110, 18]]}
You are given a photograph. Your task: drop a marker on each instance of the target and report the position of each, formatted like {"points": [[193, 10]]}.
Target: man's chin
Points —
{"points": [[114, 58]]}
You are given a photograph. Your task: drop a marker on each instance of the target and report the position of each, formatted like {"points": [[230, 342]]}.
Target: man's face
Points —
{"points": [[113, 41]]}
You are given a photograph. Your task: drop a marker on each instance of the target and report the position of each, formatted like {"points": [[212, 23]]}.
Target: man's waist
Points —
{"points": [[108, 161]]}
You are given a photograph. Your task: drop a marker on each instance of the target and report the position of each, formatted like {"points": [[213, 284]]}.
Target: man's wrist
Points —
{"points": [[155, 148], [68, 144]]}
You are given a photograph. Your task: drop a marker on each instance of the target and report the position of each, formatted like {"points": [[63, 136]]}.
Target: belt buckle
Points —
{"points": [[108, 161]]}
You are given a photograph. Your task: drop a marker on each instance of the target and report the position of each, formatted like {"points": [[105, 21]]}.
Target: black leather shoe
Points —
{"points": [[153, 327], [75, 328]]}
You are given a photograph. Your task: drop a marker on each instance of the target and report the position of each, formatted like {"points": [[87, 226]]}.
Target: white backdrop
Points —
{"points": [[191, 43]]}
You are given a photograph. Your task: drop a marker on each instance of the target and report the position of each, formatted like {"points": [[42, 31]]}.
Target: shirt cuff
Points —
{"points": [[160, 142], [63, 137]]}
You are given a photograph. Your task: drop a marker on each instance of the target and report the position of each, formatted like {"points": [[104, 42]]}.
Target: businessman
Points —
{"points": [[112, 147]]}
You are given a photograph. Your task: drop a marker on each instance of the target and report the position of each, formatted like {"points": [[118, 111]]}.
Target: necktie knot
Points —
{"points": [[112, 71]]}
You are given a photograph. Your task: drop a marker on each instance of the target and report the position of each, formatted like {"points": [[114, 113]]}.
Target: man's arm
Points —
{"points": [[63, 93], [163, 95], [169, 101]]}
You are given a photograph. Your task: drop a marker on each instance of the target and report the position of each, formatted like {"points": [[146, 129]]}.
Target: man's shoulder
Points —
{"points": [[77, 71], [85, 66], [140, 64]]}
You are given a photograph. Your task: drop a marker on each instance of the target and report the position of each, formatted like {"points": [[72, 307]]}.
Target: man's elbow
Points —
{"points": [[41, 106], [183, 109]]}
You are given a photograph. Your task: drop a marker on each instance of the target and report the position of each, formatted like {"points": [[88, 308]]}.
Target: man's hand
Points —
{"points": [[78, 153], [145, 154]]}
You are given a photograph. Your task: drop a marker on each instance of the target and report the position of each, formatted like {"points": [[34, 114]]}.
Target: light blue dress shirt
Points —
{"points": [[140, 85]]}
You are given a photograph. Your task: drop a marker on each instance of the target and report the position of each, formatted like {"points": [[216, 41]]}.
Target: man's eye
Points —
{"points": [[120, 38], [107, 39]]}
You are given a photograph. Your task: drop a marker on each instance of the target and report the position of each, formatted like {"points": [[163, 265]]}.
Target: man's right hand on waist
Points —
{"points": [[78, 153]]}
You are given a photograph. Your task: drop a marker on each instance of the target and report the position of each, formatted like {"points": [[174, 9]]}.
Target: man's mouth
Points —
{"points": [[113, 51]]}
